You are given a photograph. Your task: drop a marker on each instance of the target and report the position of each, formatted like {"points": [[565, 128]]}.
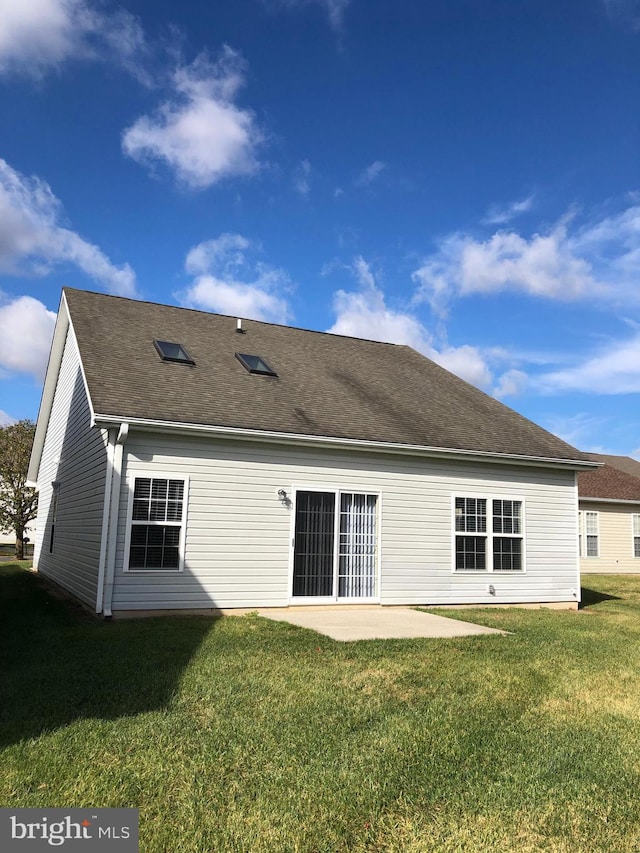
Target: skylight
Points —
{"points": [[255, 364], [169, 351]]}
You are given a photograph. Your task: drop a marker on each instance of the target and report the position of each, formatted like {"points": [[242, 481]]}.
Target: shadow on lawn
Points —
{"points": [[58, 664], [591, 597]]}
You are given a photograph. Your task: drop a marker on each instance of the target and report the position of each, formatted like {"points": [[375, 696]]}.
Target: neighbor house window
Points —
{"points": [[156, 532], [495, 546], [591, 533], [636, 534]]}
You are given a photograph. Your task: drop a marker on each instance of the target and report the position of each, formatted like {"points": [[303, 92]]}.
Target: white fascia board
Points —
{"points": [[148, 425], [49, 389], [63, 327]]}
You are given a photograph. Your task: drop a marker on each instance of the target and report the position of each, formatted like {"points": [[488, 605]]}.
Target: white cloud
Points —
{"points": [[5, 419], [39, 34], [365, 314], [26, 329], [575, 429], [302, 178], [370, 174], [467, 362], [613, 370], [200, 134], [501, 214], [32, 239], [226, 252], [229, 280], [597, 261], [544, 265], [511, 383], [624, 12]]}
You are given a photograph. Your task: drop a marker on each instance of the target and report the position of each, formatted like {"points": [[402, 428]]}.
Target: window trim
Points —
{"points": [[490, 535], [585, 555], [53, 511], [580, 534], [155, 475], [634, 535]]}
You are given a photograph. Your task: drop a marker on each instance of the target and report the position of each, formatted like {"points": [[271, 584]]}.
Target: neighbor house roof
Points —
{"points": [[617, 479], [326, 385]]}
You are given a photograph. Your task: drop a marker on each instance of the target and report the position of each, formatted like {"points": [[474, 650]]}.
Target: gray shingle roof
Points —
{"points": [[327, 385]]}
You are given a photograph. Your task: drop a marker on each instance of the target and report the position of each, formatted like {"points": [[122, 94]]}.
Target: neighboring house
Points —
{"points": [[610, 515], [185, 463]]}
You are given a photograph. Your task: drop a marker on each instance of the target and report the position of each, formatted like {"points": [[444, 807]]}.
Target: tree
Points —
{"points": [[18, 502]]}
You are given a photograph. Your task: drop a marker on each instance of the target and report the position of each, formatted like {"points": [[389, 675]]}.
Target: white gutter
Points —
{"points": [[576, 592], [609, 500], [148, 424], [114, 510], [104, 538]]}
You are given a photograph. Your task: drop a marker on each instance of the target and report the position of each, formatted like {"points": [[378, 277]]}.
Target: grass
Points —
{"points": [[242, 734]]}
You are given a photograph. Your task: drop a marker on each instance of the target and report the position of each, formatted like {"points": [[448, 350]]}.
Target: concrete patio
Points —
{"points": [[374, 623]]}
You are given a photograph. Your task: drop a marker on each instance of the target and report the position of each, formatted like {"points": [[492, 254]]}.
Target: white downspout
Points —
{"points": [[111, 443], [114, 511]]}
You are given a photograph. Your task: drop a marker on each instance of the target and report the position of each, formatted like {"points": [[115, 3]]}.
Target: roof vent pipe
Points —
{"points": [[239, 326]]}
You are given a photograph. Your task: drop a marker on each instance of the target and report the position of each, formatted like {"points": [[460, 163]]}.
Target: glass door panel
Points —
{"points": [[357, 551], [313, 564]]}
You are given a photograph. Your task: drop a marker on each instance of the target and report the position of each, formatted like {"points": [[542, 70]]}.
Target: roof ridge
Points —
{"points": [[233, 317]]}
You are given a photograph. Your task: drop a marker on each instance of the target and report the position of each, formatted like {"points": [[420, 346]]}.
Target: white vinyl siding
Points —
{"points": [[69, 522], [238, 543]]}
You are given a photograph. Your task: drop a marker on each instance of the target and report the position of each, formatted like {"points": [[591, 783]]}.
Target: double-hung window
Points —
{"points": [[156, 531], [489, 535], [591, 533], [636, 533]]}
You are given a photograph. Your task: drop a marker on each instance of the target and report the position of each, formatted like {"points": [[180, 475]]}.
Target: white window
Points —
{"points": [[494, 547], [580, 526], [636, 534], [155, 538], [591, 533], [53, 512]]}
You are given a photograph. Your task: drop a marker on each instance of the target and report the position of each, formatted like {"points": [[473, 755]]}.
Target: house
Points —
{"points": [[192, 461], [610, 515]]}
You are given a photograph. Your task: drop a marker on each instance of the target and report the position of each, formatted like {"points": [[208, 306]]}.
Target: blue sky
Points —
{"points": [[457, 175]]}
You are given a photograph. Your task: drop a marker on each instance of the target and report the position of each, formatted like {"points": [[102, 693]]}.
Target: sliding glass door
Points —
{"points": [[335, 545]]}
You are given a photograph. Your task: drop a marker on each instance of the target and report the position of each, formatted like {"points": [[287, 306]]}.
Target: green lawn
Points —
{"points": [[242, 734]]}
